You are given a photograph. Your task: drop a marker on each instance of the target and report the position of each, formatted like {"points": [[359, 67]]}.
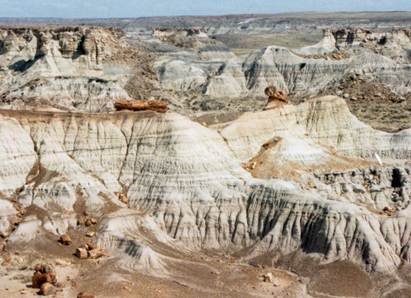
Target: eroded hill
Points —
{"points": [[216, 193]]}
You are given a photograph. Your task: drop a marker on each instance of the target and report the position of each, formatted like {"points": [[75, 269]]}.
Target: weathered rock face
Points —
{"points": [[379, 188], [153, 189], [68, 68], [95, 44], [302, 73], [327, 121], [87, 69], [217, 78], [324, 46], [82, 93], [394, 44], [185, 183], [306, 76], [17, 154]]}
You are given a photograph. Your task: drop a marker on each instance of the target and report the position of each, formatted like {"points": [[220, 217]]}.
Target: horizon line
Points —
{"points": [[211, 15]]}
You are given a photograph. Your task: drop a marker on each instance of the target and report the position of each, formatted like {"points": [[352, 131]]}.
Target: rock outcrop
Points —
{"points": [[307, 76], [393, 43], [302, 73], [276, 98], [137, 187], [324, 46], [87, 69], [187, 186], [338, 129], [68, 68]]}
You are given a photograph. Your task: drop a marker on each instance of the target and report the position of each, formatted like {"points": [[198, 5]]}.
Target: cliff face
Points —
{"points": [[68, 68], [97, 44], [392, 43], [187, 181]]}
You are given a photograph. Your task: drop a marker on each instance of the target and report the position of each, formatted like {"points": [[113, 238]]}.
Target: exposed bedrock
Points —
{"points": [[69, 68], [333, 229], [280, 219], [304, 72], [279, 67], [85, 94], [381, 188], [17, 155], [189, 182], [86, 69], [326, 121], [69, 41], [307, 76], [393, 43]]}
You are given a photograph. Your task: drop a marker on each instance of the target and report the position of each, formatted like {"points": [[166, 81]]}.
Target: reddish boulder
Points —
{"points": [[65, 239], [46, 289], [43, 274], [90, 221], [81, 253], [276, 98]]}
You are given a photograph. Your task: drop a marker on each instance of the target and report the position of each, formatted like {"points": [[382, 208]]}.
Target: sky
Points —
{"points": [[140, 8]]}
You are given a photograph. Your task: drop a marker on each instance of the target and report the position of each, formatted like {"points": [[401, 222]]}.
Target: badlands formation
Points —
{"points": [[218, 194], [72, 68]]}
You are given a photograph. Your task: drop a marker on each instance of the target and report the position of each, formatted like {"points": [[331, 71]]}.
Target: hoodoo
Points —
{"points": [[276, 98]]}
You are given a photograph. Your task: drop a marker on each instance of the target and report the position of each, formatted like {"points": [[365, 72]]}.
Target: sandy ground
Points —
{"points": [[189, 275]]}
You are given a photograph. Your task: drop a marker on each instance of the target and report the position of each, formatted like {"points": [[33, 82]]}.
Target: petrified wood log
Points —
{"points": [[141, 105]]}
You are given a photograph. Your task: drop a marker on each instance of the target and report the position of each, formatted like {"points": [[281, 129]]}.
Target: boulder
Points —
{"points": [[90, 246], [43, 268], [96, 253], [268, 277], [38, 279], [65, 239], [276, 98], [81, 253], [43, 274], [46, 289], [90, 221]]}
